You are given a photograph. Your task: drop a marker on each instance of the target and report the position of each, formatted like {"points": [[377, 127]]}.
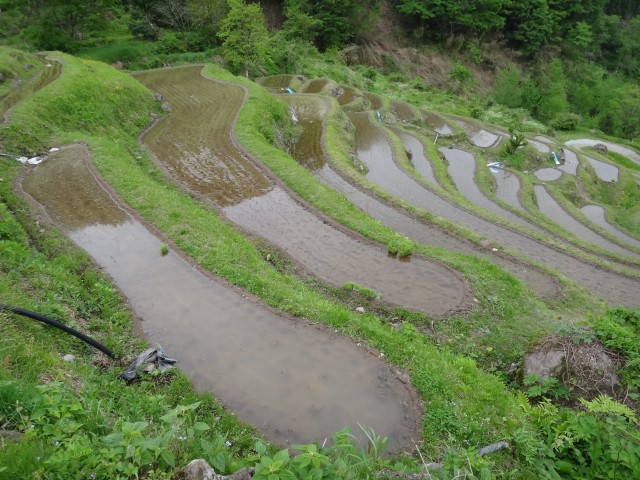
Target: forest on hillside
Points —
{"points": [[577, 63]]}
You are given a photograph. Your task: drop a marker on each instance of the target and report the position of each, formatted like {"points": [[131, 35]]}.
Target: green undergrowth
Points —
{"points": [[465, 406], [84, 418]]}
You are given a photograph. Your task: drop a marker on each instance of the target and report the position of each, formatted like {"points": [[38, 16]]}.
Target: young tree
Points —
{"points": [[244, 36], [507, 88]]}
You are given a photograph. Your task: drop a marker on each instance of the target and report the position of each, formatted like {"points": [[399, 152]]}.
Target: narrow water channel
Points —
{"points": [[229, 178], [374, 150], [294, 381]]}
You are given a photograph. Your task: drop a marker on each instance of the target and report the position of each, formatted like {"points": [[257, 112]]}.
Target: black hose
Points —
{"points": [[61, 326]]}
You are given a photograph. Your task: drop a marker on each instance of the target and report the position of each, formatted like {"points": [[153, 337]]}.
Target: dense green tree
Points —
{"points": [[553, 95], [530, 24], [331, 23], [56, 24], [244, 36], [507, 88], [622, 115], [452, 16]]}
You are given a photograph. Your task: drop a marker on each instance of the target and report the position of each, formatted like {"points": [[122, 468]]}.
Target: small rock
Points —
{"points": [[165, 106], [119, 65], [54, 149], [158, 96], [494, 249], [200, 470], [68, 358], [360, 309]]}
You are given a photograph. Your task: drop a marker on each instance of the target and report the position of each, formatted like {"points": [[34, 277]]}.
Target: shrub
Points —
{"points": [[566, 121]]}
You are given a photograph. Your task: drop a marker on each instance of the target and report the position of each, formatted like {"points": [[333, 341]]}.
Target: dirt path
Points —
{"points": [[198, 134], [374, 150], [284, 376]]}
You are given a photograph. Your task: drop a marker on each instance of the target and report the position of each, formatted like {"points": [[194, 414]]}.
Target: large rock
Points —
{"points": [[599, 147], [200, 470], [586, 369]]}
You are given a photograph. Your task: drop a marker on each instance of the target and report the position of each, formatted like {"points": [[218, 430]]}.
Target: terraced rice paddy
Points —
{"points": [[230, 179], [284, 376]]}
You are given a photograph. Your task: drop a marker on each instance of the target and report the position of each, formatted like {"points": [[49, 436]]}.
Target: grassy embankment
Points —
{"points": [[101, 107]]}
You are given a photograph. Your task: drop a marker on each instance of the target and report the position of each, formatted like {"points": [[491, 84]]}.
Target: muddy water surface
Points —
{"points": [[337, 258], [277, 81], [418, 157], [507, 187], [540, 146], [315, 86], [348, 95], [478, 136], [605, 171], [48, 74], [462, 168], [549, 207], [571, 162], [374, 100], [595, 213], [310, 111], [291, 380], [543, 285], [193, 142], [404, 111], [374, 150], [436, 123], [325, 251], [614, 147], [548, 174]]}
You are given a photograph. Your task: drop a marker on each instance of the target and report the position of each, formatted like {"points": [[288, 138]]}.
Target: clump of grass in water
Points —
{"points": [[366, 292], [400, 247], [164, 249]]}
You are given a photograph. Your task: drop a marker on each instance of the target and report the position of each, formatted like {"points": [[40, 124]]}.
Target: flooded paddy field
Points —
{"points": [[418, 157], [374, 150], [549, 207], [614, 147], [462, 168], [507, 187], [436, 123], [249, 198], [284, 376], [545, 286], [48, 74], [595, 213]]}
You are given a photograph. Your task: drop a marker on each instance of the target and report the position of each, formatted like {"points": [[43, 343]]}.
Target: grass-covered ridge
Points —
{"points": [[464, 406], [439, 376]]}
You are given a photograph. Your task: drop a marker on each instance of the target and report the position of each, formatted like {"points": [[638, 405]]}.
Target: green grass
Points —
{"points": [[464, 405], [438, 375], [16, 65]]}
